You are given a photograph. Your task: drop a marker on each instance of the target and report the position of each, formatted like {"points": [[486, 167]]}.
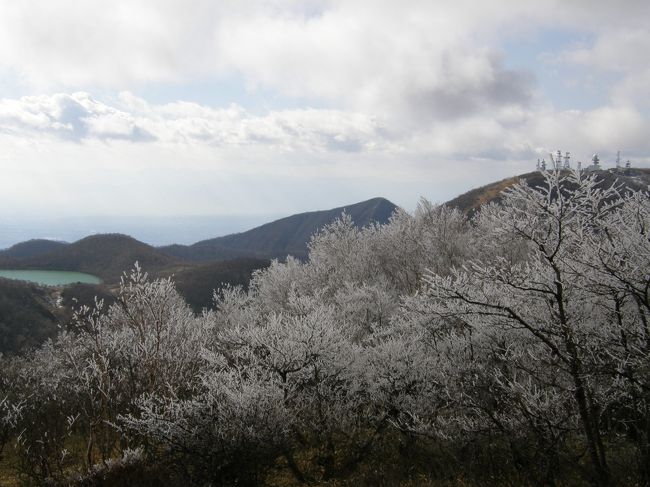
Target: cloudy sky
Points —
{"points": [[198, 107]]}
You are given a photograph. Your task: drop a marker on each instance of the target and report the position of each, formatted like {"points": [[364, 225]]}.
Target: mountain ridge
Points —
{"points": [[285, 236], [109, 255], [634, 179]]}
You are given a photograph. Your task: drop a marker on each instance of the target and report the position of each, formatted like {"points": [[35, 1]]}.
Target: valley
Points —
{"points": [[95, 264]]}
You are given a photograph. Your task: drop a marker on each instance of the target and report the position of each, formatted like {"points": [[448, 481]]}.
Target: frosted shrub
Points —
{"points": [[540, 311], [509, 343]]}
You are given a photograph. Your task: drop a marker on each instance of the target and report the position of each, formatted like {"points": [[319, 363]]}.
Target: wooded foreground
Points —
{"points": [[512, 348]]}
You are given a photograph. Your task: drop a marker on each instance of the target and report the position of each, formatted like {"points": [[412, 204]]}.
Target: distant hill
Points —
{"points": [[279, 238], [634, 179], [108, 255], [32, 248], [105, 256], [28, 315]]}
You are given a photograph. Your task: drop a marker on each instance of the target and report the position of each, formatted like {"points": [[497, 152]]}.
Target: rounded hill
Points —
{"points": [[105, 255]]}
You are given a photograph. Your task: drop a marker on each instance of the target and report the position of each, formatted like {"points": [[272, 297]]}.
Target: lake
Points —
{"points": [[50, 278]]}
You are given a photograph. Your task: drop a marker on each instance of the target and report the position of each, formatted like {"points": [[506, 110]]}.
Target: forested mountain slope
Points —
{"points": [[197, 284], [279, 238], [30, 314], [634, 179], [26, 316]]}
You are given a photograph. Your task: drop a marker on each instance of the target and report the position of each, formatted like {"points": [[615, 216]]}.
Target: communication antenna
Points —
{"points": [[567, 158], [579, 166], [553, 161], [596, 161], [618, 160], [539, 164], [628, 164], [558, 159]]}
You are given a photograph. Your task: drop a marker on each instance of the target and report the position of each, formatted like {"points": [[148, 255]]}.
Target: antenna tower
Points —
{"points": [[596, 161], [567, 158]]}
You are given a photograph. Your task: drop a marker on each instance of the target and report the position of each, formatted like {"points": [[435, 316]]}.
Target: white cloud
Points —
{"points": [[80, 117], [614, 50], [416, 97], [633, 90], [196, 159], [602, 130], [619, 49], [70, 43], [379, 57], [74, 117], [408, 63]]}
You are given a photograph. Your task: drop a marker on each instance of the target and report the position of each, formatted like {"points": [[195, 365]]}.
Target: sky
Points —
{"points": [[198, 107]]}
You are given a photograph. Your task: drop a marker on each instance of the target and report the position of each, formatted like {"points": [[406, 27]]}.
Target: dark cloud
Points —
{"points": [[457, 99]]}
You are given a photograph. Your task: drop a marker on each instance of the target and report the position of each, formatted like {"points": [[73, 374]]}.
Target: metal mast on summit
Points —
{"points": [[567, 158]]}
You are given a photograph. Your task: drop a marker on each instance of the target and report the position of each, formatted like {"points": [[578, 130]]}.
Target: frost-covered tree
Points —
{"points": [[11, 407], [79, 383], [513, 345], [273, 384], [616, 262], [541, 313], [46, 389]]}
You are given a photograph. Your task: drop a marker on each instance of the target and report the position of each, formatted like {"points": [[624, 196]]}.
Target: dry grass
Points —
{"points": [[8, 474]]}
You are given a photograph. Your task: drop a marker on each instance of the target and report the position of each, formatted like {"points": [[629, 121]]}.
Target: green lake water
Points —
{"points": [[50, 278]]}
